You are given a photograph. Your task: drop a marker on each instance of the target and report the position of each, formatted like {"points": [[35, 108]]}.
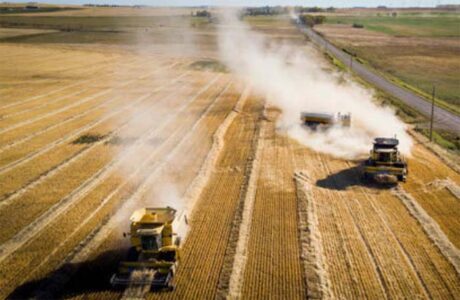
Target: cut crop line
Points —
{"points": [[82, 101], [370, 252], [6, 116], [312, 253], [107, 228], [49, 128], [16, 103], [60, 141], [44, 176], [431, 228], [241, 255], [33, 228], [157, 169], [401, 247], [64, 121], [102, 65], [194, 191]]}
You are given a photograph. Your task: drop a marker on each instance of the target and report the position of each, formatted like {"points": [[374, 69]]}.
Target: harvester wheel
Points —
{"points": [[402, 178], [366, 176]]}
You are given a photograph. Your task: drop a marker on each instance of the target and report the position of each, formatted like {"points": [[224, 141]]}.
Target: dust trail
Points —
{"points": [[241, 254], [293, 79], [318, 283], [431, 228]]}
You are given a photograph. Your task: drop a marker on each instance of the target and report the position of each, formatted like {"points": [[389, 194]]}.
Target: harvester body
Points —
{"points": [[325, 120], [385, 163], [154, 253]]}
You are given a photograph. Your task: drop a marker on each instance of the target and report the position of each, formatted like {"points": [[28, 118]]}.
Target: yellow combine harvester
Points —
{"points": [[154, 255], [385, 164], [325, 121]]}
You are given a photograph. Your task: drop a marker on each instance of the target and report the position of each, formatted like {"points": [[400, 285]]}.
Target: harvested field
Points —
{"points": [[91, 131]]}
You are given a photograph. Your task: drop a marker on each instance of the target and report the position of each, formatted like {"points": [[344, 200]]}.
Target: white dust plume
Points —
{"points": [[294, 79]]}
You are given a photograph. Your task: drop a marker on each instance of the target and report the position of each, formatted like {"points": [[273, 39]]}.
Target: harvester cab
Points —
{"points": [[154, 253], [385, 163], [325, 120]]}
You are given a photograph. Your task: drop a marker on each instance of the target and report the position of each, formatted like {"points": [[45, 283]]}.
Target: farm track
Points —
{"points": [[106, 183], [96, 175]]}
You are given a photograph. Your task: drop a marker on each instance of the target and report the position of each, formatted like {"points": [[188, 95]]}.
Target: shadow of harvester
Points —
{"points": [[74, 279], [350, 177]]}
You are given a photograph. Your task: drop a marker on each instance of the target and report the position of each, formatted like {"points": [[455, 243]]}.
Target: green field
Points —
{"points": [[421, 25], [417, 51]]}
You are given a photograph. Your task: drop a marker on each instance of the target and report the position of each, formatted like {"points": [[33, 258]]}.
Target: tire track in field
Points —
{"points": [[75, 104], [64, 121], [193, 192], [136, 197], [316, 275], [100, 71], [33, 228], [104, 65], [385, 223], [44, 176], [431, 228], [105, 229], [370, 252], [6, 116], [64, 139], [349, 264], [49, 128], [27, 100], [16, 103], [242, 222]]}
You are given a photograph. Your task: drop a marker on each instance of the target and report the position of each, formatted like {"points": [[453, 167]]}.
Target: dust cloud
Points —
{"points": [[294, 79]]}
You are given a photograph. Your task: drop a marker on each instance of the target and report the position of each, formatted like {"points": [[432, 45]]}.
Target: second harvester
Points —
{"points": [[385, 163]]}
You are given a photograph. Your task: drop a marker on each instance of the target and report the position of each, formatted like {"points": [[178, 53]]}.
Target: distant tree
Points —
{"points": [[310, 20], [394, 14], [203, 13]]}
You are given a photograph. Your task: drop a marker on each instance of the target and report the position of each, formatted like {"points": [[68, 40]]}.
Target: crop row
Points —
{"points": [[98, 155], [88, 206], [397, 256], [428, 184], [273, 266]]}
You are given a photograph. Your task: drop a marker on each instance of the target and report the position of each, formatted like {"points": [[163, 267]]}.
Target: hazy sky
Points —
{"points": [[324, 3]]}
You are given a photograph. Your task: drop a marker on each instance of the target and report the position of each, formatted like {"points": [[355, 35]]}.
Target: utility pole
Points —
{"points": [[432, 114]]}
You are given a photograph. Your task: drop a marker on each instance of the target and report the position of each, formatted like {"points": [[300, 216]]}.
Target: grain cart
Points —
{"points": [[385, 163], [154, 254], [324, 120]]}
